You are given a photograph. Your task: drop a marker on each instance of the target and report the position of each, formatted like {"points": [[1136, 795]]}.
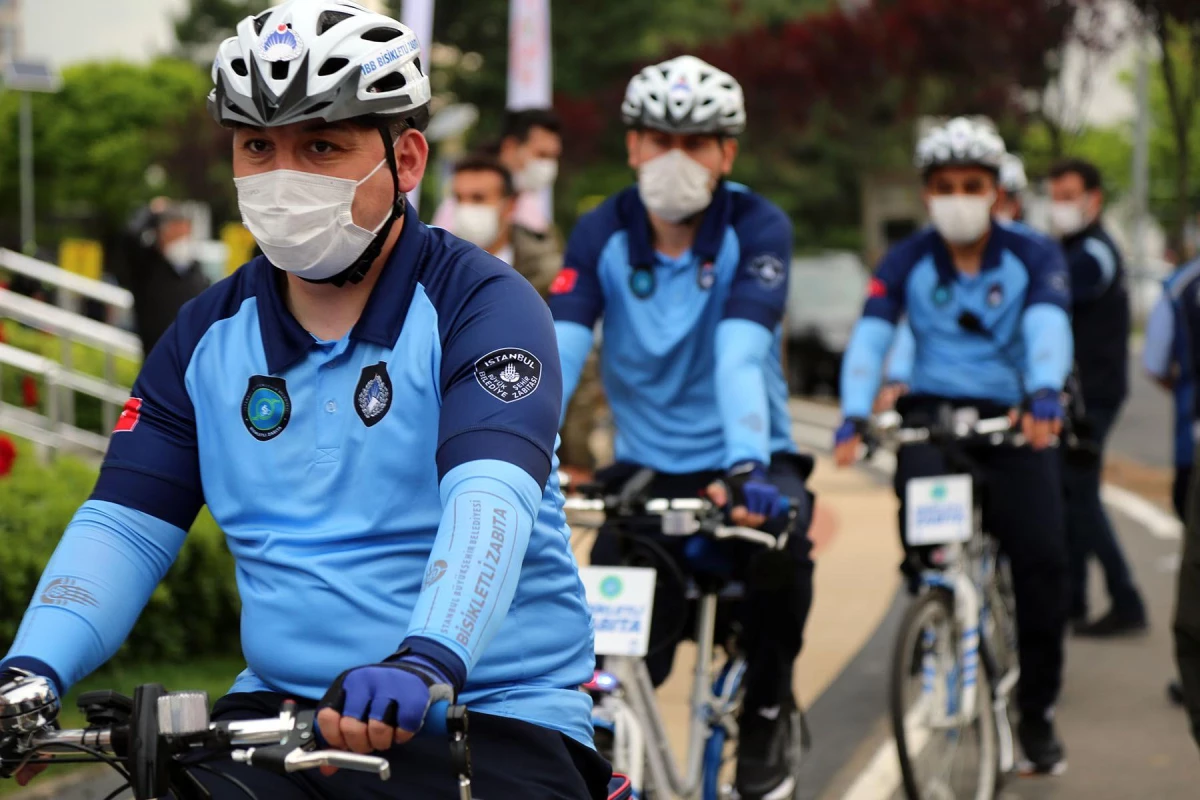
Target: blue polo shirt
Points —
{"points": [[393, 485], [1167, 353], [1018, 300], [691, 355]]}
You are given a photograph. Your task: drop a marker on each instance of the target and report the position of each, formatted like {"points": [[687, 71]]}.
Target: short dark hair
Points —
{"points": [[1086, 170], [518, 124], [484, 162]]}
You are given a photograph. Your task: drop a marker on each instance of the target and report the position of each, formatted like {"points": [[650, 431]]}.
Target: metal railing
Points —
{"points": [[56, 429]]}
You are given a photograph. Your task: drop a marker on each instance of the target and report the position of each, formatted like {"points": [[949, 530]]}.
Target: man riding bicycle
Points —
{"points": [[689, 272], [369, 411], [987, 306]]}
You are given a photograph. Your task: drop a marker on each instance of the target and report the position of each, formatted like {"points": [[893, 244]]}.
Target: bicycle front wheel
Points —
{"points": [[945, 743]]}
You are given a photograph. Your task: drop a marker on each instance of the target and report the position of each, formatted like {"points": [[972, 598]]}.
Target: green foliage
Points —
{"points": [[95, 139], [194, 611], [207, 22]]}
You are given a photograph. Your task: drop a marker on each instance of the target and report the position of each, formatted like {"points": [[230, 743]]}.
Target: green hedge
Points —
{"points": [[87, 360], [194, 612]]}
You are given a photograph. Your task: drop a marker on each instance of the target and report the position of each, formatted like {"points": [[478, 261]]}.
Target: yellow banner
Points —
{"points": [[82, 256], [240, 245]]}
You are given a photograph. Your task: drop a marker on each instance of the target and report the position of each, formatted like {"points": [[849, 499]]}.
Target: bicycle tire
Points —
{"points": [[937, 601]]}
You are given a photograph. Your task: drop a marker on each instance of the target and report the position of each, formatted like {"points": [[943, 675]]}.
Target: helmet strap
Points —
{"points": [[359, 269]]}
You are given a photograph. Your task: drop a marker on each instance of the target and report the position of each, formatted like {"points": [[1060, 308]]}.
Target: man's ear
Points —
{"points": [[729, 151], [632, 140], [412, 155], [508, 209]]}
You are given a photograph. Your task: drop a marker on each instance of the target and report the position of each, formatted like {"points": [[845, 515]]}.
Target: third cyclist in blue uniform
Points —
{"points": [[987, 306]]}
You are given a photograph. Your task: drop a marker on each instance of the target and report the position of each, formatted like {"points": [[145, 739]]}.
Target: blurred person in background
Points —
{"points": [[1010, 206], [155, 259], [529, 149], [1100, 321], [485, 200]]}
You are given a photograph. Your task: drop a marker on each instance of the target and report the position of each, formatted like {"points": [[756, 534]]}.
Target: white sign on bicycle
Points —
{"points": [[621, 599], [939, 510]]}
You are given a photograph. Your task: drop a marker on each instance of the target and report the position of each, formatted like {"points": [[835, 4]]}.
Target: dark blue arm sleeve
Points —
{"points": [[760, 286]]}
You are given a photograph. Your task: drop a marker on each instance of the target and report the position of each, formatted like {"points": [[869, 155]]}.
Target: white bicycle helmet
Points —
{"points": [[319, 59], [961, 142], [685, 95], [1012, 174]]}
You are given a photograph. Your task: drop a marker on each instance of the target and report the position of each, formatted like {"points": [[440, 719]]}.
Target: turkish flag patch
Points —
{"points": [[876, 288], [565, 282], [130, 414]]}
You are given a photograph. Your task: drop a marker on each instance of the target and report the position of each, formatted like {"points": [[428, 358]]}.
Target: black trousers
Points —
{"points": [[1179, 489], [768, 621], [509, 759], [1023, 509]]}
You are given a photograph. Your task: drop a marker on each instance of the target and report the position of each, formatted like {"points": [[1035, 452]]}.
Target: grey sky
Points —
{"points": [[67, 31]]}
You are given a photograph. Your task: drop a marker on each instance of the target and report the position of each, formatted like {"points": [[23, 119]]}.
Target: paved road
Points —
{"points": [[1144, 430]]}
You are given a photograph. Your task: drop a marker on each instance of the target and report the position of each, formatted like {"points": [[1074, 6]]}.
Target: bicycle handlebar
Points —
{"points": [[889, 427], [679, 517]]}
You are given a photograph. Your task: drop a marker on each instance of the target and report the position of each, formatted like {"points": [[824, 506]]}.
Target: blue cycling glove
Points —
{"points": [[397, 692], [751, 488], [1046, 405], [850, 427]]}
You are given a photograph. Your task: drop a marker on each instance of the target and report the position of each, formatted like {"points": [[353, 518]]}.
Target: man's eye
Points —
{"points": [[322, 147], [257, 145]]}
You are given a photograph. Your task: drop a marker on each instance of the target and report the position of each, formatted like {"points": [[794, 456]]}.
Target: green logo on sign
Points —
{"points": [[939, 492], [611, 586]]}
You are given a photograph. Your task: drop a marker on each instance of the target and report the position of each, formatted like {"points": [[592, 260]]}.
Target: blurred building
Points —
{"points": [[11, 30]]}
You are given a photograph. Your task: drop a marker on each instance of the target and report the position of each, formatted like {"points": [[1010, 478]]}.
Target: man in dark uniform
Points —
{"points": [[1100, 321]]}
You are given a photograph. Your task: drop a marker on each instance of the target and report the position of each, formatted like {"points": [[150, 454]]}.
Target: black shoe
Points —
{"points": [[1044, 753], [768, 740], [1116, 622]]}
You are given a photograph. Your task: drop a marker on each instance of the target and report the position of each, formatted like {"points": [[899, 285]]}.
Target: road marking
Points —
{"points": [[882, 777], [1161, 524]]}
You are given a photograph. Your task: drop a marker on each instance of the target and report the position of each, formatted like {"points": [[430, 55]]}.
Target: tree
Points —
{"points": [[97, 137], [1175, 24], [208, 22]]}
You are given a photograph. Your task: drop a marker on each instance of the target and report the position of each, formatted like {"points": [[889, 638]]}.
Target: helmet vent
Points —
{"points": [[382, 34], [332, 65], [238, 65], [260, 21], [330, 18], [388, 83], [279, 70], [313, 109]]}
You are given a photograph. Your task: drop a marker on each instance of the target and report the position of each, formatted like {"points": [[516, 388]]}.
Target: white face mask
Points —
{"points": [[1067, 218], [303, 222], [960, 218], [538, 174], [675, 186], [181, 253], [478, 223]]}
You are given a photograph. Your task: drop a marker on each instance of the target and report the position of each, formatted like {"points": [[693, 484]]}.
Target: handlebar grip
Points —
{"points": [[435, 719]]}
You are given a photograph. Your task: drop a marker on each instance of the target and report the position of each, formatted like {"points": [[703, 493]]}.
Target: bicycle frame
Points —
{"points": [[972, 566], [639, 730]]}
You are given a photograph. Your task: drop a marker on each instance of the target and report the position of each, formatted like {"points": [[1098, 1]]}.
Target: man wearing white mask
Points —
{"points": [[1100, 318], [689, 273], [987, 304], [529, 149], [484, 199], [369, 412]]}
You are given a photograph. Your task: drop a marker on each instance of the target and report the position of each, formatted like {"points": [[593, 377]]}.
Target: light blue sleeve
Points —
{"points": [[574, 345], [902, 356], [96, 584], [1160, 338], [1049, 345], [863, 364], [743, 348], [489, 508]]}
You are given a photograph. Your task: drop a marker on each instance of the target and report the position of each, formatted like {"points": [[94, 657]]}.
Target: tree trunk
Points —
{"points": [[1183, 199]]}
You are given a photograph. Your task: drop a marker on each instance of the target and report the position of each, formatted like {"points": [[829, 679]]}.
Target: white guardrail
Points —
{"points": [[55, 429]]}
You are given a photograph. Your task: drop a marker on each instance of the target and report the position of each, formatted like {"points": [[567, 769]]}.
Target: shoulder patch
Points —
{"points": [[564, 282], [768, 270], [509, 374]]}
